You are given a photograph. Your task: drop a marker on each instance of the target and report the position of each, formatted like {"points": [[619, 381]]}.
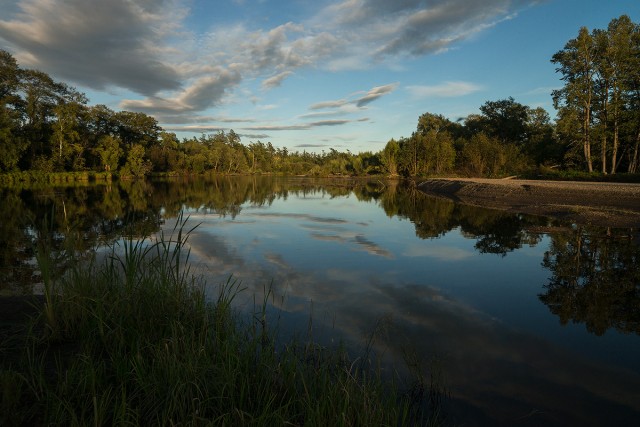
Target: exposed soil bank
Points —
{"points": [[603, 204]]}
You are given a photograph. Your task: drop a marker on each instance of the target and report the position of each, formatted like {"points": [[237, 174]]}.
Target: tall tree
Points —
{"points": [[576, 63], [631, 94], [483, 155], [110, 152], [136, 164], [66, 138], [11, 144], [137, 128], [408, 157], [505, 120], [389, 157], [435, 122], [603, 82], [623, 60], [439, 155], [541, 146]]}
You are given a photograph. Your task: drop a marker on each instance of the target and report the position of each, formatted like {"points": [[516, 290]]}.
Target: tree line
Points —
{"points": [[597, 126], [48, 126]]}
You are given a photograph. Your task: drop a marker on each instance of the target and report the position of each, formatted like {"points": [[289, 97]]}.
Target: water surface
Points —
{"points": [[525, 320]]}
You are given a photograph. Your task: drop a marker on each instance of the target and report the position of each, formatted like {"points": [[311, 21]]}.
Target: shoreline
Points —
{"points": [[588, 203]]}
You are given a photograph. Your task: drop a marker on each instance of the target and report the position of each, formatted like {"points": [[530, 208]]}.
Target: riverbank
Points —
{"points": [[594, 203], [134, 341]]}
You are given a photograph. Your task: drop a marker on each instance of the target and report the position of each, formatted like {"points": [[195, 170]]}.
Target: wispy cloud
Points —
{"points": [[276, 80], [197, 119], [542, 90], [379, 30], [375, 93], [358, 100], [329, 104], [205, 92], [301, 126], [146, 47], [254, 135], [311, 145], [444, 90], [194, 128]]}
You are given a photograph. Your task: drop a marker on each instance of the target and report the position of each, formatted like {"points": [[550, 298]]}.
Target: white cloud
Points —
{"points": [[376, 93], [267, 107], [444, 90], [300, 126], [203, 93], [276, 80], [354, 102], [146, 47], [380, 30], [98, 44], [542, 90], [195, 129], [329, 104]]}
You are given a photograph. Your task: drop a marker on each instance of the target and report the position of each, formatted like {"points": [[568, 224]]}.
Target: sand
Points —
{"points": [[594, 203]]}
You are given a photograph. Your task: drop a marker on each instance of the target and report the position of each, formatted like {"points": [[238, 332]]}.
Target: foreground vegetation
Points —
{"points": [[132, 341], [47, 126]]}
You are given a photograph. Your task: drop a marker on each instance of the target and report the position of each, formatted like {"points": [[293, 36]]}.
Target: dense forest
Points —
{"points": [[48, 127]]}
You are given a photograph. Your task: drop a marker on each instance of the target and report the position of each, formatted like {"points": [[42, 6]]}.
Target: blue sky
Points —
{"points": [[306, 75]]}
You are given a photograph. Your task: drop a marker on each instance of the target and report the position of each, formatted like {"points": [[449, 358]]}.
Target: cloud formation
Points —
{"points": [[301, 126], [98, 44], [146, 47], [378, 30], [360, 100], [205, 92], [276, 80], [376, 93], [444, 90]]}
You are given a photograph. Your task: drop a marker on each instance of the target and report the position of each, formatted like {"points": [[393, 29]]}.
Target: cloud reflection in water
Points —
{"points": [[495, 372]]}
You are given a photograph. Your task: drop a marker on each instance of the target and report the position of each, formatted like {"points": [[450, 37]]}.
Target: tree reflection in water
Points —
{"points": [[438, 303], [595, 278]]}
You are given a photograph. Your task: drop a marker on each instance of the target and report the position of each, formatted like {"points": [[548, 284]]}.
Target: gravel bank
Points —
{"points": [[603, 204]]}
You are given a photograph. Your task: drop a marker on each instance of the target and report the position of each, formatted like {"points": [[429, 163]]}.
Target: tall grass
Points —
{"points": [[132, 340]]}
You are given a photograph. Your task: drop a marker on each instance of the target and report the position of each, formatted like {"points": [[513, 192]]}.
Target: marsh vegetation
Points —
{"points": [[131, 340]]}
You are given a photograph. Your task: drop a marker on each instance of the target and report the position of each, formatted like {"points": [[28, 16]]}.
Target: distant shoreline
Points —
{"points": [[595, 203]]}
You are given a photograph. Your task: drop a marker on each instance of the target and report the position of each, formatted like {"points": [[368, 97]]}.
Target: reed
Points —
{"points": [[132, 340]]}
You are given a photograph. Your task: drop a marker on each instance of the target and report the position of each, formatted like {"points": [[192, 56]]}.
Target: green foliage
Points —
{"points": [[109, 150], [67, 148], [505, 120], [598, 112], [483, 156], [136, 166], [11, 146], [579, 175], [440, 154], [47, 126]]}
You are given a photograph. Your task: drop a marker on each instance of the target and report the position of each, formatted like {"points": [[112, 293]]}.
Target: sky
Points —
{"points": [[301, 74]]}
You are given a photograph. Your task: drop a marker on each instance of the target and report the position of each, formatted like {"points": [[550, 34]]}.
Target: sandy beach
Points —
{"points": [[602, 204]]}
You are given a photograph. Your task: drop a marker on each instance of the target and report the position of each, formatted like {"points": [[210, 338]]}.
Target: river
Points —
{"points": [[521, 320]]}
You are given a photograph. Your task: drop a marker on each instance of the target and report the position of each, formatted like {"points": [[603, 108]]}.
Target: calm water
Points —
{"points": [[525, 320]]}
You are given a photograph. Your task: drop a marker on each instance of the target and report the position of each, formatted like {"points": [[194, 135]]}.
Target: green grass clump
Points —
{"points": [[575, 175], [133, 341]]}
